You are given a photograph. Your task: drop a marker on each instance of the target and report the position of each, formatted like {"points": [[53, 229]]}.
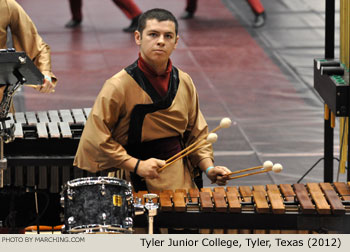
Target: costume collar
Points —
{"points": [[147, 69]]}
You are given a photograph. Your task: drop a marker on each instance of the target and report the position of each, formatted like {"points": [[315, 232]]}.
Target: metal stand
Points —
{"points": [[7, 133], [338, 103], [328, 151], [3, 163], [15, 67], [329, 54], [151, 208]]}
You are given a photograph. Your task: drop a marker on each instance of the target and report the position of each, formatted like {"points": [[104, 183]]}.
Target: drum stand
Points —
{"points": [[151, 208]]}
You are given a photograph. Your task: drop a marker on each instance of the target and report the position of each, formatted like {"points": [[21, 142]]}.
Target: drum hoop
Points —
{"points": [[98, 228], [86, 181]]}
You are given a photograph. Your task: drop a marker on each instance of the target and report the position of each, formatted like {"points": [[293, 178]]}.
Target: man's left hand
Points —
{"points": [[46, 87], [218, 175]]}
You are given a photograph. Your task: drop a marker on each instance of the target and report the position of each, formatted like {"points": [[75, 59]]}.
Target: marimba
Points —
{"points": [[322, 207], [44, 148]]}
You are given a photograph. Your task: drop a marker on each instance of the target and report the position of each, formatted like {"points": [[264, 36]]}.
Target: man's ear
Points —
{"points": [[138, 38], [176, 41]]}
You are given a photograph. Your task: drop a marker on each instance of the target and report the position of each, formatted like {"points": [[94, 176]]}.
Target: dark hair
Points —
{"points": [[158, 14]]}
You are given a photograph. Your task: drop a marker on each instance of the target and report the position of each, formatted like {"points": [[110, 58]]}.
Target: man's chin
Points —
{"points": [[160, 57]]}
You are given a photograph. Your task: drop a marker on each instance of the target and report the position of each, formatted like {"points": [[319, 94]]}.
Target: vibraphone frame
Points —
{"points": [[41, 159], [43, 151]]}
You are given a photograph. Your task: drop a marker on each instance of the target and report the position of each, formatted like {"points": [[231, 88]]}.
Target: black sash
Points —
{"points": [[160, 148], [163, 148]]}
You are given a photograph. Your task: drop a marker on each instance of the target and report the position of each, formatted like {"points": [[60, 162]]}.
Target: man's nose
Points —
{"points": [[161, 40]]}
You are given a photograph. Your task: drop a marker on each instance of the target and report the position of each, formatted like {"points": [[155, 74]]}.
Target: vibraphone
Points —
{"points": [[41, 159], [44, 148], [284, 208]]}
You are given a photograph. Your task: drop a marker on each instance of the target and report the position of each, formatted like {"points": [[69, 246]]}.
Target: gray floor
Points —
{"points": [[292, 133]]}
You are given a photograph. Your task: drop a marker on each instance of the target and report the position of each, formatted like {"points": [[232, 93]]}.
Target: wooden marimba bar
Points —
{"points": [[44, 148], [314, 207]]}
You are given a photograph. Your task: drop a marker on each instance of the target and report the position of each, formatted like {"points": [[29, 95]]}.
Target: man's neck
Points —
{"points": [[158, 68]]}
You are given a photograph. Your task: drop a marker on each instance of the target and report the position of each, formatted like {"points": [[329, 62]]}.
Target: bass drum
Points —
{"points": [[97, 205]]}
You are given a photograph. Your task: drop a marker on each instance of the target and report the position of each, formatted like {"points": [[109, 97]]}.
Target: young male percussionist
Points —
{"points": [[148, 112]]}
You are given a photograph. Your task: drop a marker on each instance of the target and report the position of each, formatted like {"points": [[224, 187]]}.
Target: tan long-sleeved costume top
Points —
{"points": [[128, 111], [25, 36]]}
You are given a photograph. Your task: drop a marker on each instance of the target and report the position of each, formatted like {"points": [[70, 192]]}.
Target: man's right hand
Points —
{"points": [[148, 168]]}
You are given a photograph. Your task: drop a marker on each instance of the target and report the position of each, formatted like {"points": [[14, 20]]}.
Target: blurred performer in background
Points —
{"points": [[25, 38], [128, 7], [256, 6]]}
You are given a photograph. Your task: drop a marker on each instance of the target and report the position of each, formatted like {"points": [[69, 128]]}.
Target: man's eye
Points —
{"points": [[153, 34], [169, 36]]}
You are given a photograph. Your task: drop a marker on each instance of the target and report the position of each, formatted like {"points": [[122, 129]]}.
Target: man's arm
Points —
{"points": [[216, 174], [203, 157], [145, 168], [26, 38], [98, 149]]}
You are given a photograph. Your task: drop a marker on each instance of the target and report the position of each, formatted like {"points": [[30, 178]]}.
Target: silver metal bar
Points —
{"points": [[79, 116], [54, 130], [18, 130], [87, 112], [20, 118], [65, 130], [54, 117], [42, 116], [41, 130], [66, 116], [31, 118]]}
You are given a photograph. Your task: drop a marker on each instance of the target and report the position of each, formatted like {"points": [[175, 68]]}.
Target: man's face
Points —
{"points": [[157, 42]]}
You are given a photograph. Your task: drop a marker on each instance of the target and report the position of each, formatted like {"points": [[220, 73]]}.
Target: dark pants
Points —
{"points": [[255, 5], [128, 7], [191, 6]]}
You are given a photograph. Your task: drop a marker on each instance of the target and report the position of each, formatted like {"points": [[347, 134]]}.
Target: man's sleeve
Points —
{"points": [[197, 129], [26, 38], [98, 150]]}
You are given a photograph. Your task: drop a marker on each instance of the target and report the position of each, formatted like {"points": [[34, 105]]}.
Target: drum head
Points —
{"points": [[97, 180]]}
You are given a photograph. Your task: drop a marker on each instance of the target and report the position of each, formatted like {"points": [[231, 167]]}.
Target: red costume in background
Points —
{"points": [[255, 5], [128, 7]]}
